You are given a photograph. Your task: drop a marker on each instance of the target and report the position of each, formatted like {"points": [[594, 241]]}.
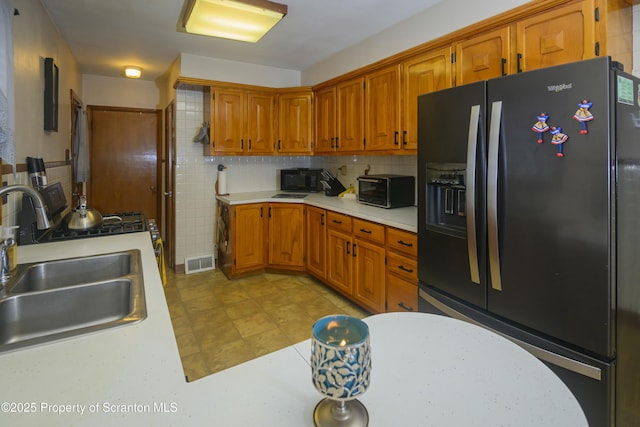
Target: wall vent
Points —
{"points": [[199, 263]]}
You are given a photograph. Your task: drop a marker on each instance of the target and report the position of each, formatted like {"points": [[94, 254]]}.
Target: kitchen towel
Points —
{"points": [[222, 183], [80, 147]]}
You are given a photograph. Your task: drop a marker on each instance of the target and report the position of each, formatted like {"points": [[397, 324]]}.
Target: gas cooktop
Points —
{"points": [[112, 224]]}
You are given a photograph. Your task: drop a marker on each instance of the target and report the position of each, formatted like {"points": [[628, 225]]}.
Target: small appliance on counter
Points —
{"points": [[301, 179], [332, 187], [386, 191]]}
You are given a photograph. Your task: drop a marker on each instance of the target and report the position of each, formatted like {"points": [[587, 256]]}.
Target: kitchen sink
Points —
{"points": [[74, 271], [48, 301]]}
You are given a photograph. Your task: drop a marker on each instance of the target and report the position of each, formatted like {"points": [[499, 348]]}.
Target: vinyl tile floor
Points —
{"points": [[219, 323]]}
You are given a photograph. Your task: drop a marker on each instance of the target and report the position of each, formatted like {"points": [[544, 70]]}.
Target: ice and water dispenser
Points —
{"points": [[446, 196]]}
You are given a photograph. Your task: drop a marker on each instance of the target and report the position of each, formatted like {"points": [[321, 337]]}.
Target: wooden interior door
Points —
{"points": [[124, 146]]}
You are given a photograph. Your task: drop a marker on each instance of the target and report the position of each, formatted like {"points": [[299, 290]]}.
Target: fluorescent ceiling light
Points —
{"points": [[132, 72], [246, 20]]}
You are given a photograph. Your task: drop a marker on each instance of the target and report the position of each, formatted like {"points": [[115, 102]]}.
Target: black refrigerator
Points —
{"points": [[529, 221]]}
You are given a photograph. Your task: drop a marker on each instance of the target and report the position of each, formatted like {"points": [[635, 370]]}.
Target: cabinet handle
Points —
{"points": [[364, 230], [403, 268], [354, 250], [395, 138], [269, 211], [249, 144], [332, 141], [321, 219], [336, 221], [404, 137], [260, 211], [279, 144], [242, 144], [400, 242], [406, 307], [519, 57], [348, 245], [337, 142], [504, 62]]}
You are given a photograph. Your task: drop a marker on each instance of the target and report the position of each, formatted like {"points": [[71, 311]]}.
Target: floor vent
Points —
{"points": [[200, 263]]}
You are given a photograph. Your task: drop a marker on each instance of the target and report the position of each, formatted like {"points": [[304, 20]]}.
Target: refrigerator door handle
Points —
{"points": [[492, 195], [470, 202]]}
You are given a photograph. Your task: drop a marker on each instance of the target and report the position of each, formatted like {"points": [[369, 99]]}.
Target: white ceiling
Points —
{"points": [[105, 35]]}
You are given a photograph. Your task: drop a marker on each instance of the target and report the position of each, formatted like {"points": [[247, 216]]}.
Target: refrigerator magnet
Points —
{"points": [[541, 126], [558, 139], [583, 115]]}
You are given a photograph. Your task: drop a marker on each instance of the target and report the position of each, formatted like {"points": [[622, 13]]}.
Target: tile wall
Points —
{"points": [[196, 175]]}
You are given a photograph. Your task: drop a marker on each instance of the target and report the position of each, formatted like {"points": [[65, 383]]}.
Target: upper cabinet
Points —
{"points": [[382, 117], [374, 109], [422, 74], [295, 122], [483, 57], [564, 34], [242, 122]]}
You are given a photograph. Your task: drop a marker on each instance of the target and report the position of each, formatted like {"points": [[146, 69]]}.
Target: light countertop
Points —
{"points": [[402, 218], [427, 370]]}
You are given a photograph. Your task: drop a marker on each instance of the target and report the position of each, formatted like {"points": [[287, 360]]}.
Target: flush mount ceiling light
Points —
{"points": [[246, 20], [132, 72]]}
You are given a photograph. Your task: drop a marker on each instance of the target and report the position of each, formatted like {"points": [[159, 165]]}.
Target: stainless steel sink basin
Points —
{"points": [[69, 272], [65, 298]]}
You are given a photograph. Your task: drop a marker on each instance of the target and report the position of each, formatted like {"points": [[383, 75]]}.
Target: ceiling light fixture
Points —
{"points": [[243, 20], [132, 72]]}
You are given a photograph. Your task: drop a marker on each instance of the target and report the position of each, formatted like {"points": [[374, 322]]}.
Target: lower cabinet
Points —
{"points": [[369, 263]]}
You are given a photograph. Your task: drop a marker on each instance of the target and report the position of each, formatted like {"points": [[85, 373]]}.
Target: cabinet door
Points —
{"points": [[325, 120], [562, 35], [369, 275], [483, 57], [286, 234], [350, 115], [228, 121], [249, 237], [423, 74], [260, 123], [339, 261], [295, 123], [316, 241], [382, 109], [402, 295]]}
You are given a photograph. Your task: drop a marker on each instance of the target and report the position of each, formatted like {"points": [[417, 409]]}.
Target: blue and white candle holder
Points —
{"points": [[340, 369]]}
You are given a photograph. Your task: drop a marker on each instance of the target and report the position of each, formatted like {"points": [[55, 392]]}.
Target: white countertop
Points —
{"points": [[427, 370], [402, 218]]}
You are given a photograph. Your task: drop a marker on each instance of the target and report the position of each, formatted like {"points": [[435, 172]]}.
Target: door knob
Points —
{"points": [[168, 193]]}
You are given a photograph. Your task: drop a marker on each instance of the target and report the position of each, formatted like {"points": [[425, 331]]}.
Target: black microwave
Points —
{"points": [[386, 191], [301, 179]]}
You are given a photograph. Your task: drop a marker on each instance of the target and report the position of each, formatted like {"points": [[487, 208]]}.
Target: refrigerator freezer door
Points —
{"points": [[554, 214], [451, 180]]}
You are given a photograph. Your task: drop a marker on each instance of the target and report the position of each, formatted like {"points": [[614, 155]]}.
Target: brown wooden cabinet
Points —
{"points": [[402, 270], [369, 265], [422, 74], [286, 235], [483, 57], [326, 128], [339, 253], [350, 116], [295, 122], [316, 240], [382, 111], [561, 35], [242, 122], [249, 237]]}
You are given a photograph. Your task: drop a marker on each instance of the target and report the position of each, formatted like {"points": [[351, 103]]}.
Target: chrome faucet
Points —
{"points": [[42, 220], [42, 223]]}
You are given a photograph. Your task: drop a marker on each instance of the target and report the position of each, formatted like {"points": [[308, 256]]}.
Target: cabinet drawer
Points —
{"points": [[368, 230], [404, 267], [401, 295], [402, 241], [339, 221]]}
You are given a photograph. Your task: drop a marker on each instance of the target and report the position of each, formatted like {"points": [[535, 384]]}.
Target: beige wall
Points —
{"points": [[120, 92], [36, 38]]}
